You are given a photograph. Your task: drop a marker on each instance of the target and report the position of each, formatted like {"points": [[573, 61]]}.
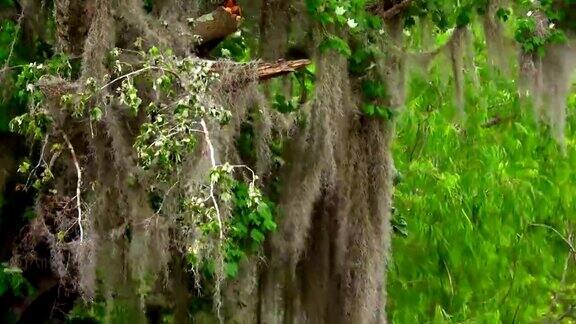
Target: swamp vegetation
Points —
{"points": [[287, 161]]}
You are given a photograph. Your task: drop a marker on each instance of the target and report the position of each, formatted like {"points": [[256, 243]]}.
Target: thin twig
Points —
{"points": [[567, 263], [242, 166], [144, 69], [13, 44], [78, 184], [559, 234], [166, 196], [416, 142], [40, 160]]}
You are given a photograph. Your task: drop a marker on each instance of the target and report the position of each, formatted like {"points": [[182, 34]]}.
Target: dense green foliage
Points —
{"points": [[488, 207]]}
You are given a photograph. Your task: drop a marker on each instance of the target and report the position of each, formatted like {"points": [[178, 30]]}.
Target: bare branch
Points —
{"points": [[40, 161], [12, 44], [78, 184], [212, 154], [271, 70], [568, 242]]}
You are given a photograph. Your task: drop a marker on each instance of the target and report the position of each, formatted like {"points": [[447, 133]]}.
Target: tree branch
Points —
{"points": [[271, 70], [212, 154], [78, 184], [55, 87], [13, 43], [213, 27], [380, 10]]}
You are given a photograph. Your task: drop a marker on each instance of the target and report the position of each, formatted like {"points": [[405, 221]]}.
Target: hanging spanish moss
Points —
{"points": [[546, 77], [498, 46]]}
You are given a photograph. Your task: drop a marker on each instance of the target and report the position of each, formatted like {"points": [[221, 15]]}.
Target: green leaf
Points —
{"points": [[96, 113], [231, 269], [503, 14], [368, 110], [269, 225], [264, 211], [283, 105], [257, 236], [336, 43], [24, 167], [154, 52], [464, 17], [255, 219], [373, 89], [383, 112], [240, 230]]}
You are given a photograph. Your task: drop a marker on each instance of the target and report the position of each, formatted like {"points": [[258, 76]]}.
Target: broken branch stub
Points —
{"points": [[213, 27], [271, 70]]}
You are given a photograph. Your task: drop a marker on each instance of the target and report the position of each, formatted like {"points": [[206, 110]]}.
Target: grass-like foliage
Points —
{"points": [[488, 206]]}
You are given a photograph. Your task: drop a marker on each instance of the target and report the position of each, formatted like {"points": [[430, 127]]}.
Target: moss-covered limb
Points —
{"points": [[499, 46], [74, 20], [170, 9], [56, 88], [424, 58], [386, 12], [547, 61], [343, 160]]}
